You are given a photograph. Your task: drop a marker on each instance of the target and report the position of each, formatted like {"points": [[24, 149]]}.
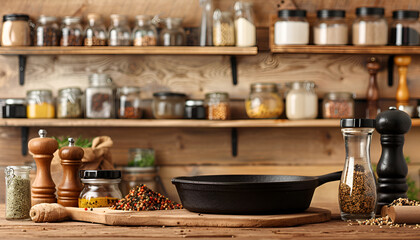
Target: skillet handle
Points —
{"points": [[329, 177]]}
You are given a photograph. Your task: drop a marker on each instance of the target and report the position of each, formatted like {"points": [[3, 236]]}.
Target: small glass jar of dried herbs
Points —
{"points": [[18, 192]]}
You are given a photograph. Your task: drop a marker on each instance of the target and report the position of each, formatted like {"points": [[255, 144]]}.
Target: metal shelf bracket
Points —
{"points": [[234, 140], [234, 68], [391, 70], [24, 138], [22, 67]]}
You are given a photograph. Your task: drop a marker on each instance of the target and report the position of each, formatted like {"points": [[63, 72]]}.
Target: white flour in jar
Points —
{"points": [[245, 33], [301, 105], [291, 32]]}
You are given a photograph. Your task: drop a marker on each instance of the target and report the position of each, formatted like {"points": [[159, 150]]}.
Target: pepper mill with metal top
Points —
{"points": [[70, 186], [43, 187], [392, 168]]}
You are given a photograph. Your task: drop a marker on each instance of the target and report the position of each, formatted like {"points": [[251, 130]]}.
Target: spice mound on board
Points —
{"points": [[141, 198]]}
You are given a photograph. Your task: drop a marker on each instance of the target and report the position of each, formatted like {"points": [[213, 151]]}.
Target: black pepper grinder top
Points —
{"points": [[392, 168]]}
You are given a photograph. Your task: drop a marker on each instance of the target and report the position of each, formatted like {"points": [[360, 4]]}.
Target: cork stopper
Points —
{"points": [[43, 144]]}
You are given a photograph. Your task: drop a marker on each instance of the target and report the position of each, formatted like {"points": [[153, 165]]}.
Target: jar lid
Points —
{"points": [[128, 90], [357, 123], [100, 79], [217, 95], [339, 95], [15, 17], [259, 87], [368, 11], [239, 5], [42, 92], [44, 19], [139, 169], [12, 101], [69, 19], [100, 174], [194, 103], [403, 14], [292, 13], [301, 84], [168, 94], [70, 90], [327, 13]]}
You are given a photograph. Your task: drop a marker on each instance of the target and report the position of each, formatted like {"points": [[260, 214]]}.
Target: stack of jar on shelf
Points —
{"points": [[370, 28]]}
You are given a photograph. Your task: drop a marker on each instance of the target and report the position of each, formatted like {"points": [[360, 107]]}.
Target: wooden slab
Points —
{"points": [[184, 217]]}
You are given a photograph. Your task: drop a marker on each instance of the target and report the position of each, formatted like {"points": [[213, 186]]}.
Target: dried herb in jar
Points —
{"points": [[18, 197]]}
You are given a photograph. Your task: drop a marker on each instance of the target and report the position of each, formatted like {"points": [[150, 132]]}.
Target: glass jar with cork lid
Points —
{"points": [[217, 106], [144, 33]]}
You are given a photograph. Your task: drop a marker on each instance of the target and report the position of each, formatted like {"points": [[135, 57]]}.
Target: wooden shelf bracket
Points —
{"points": [[22, 67], [24, 140], [234, 68]]}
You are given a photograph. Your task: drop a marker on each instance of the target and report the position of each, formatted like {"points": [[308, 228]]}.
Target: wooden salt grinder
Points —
{"points": [[372, 92], [403, 95], [43, 187], [70, 186], [392, 168]]}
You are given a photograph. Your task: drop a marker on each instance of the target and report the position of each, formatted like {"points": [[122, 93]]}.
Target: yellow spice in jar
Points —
{"points": [[42, 110], [270, 109]]}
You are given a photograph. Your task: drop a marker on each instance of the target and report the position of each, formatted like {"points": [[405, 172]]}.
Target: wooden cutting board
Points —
{"points": [[182, 217]]}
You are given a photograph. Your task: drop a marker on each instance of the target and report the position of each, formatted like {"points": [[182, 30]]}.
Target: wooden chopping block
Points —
{"points": [[402, 214]]}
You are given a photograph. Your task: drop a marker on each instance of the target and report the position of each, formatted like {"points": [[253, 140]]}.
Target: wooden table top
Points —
{"points": [[70, 230]]}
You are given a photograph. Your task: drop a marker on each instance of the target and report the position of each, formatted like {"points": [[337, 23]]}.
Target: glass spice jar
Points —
{"points": [[100, 188], [95, 32], [331, 28], [47, 31], [301, 101], [405, 28], [100, 97], [217, 106], [16, 30], [129, 102], [357, 189], [119, 31], [194, 109], [370, 27], [223, 29], [264, 101], [338, 105], [18, 192], [14, 108], [291, 28], [172, 33], [245, 31], [71, 32], [145, 33], [69, 103], [135, 176], [141, 157], [168, 105], [40, 104]]}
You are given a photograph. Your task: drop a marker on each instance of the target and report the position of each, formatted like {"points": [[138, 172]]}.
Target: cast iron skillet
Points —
{"points": [[249, 194]]}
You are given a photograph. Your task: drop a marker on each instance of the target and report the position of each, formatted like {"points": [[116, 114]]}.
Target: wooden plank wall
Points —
{"points": [[304, 151]]}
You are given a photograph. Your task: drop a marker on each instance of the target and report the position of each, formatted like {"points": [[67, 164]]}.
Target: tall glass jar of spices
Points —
{"points": [[217, 106], [301, 101], [95, 32], [145, 33], [69, 103], [172, 33], [119, 31], [244, 25], [18, 192], [331, 28], [71, 32], [40, 104], [264, 101], [129, 102], [223, 29], [47, 31], [99, 97]]}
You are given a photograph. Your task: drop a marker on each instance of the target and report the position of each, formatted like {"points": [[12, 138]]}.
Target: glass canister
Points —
{"points": [[95, 32], [338, 105], [357, 189], [223, 29], [47, 31], [18, 192], [145, 33], [71, 32], [168, 105], [14, 108], [264, 101], [405, 28], [135, 176], [99, 97], [301, 101], [217, 106], [172, 33], [291, 28], [16, 30], [69, 103], [119, 31], [141, 157], [194, 109], [370, 27], [40, 104], [100, 188], [244, 25], [331, 28], [129, 102]]}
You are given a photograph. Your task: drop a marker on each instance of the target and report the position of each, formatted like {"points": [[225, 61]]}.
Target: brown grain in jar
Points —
{"points": [[217, 106], [338, 105]]}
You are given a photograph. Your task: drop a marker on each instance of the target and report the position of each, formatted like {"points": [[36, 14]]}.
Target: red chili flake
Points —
{"points": [[85, 209]]}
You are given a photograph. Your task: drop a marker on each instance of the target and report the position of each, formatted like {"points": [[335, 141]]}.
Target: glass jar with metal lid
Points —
{"points": [[100, 97], [217, 106], [331, 28], [95, 31], [40, 104], [172, 33], [71, 32], [145, 33], [14, 108], [100, 188], [405, 28], [264, 101], [291, 28], [135, 176], [129, 102], [47, 31], [16, 30], [69, 103], [194, 109], [18, 192], [370, 27], [301, 101], [168, 105], [338, 105], [119, 31]]}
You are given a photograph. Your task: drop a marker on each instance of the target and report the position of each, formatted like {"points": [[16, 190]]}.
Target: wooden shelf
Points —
{"points": [[157, 50], [391, 50]]}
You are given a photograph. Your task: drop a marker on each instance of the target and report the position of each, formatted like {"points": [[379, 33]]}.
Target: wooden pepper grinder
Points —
{"points": [[42, 149], [392, 168], [372, 92], [403, 95], [70, 186]]}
